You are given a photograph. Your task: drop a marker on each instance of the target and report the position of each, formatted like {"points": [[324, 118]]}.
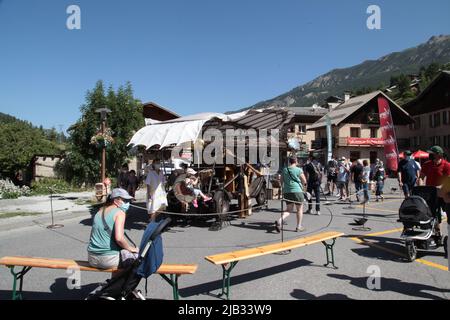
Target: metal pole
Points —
{"points": [[103, 114], [51, 205], [281, 214], [103, 169], [53, 225]]}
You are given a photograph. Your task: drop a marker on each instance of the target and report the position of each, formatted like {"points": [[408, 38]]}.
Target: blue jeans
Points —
{"points": [[380, 187], [365, 187], [316, 188], [358, 186]]}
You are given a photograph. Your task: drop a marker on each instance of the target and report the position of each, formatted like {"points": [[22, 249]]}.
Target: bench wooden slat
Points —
{"points": [[50, 263], [228, 257]]}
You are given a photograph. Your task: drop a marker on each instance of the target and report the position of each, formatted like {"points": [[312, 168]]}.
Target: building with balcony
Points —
{"points": [[355, 126], [431, 113]]}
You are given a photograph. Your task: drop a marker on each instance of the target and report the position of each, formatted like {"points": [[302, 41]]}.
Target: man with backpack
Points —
{"points": [[314, 180], [331, 170], [357, 176], [408, 173]]}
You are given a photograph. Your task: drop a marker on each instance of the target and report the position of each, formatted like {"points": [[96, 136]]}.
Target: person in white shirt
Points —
{"points": [[156, 194], [366, 179]]}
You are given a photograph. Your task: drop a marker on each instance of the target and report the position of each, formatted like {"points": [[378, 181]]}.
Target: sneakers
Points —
{"points": [[308, 196], [300, 229], [277, 227], [318, 213], [195, 203], [206, 199], [308, 212]]}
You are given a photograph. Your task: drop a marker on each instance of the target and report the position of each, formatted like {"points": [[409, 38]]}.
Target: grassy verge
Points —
{"points": [[81, 202], [5, 215]]}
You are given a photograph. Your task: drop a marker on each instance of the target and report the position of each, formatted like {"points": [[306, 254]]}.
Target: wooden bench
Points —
{"points": [[173, 270], [232, 258]]}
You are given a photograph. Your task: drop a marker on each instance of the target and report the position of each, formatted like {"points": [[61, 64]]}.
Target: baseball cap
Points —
{"points": [[120, 193], [436, 149], [191, 171], [408, 153]]}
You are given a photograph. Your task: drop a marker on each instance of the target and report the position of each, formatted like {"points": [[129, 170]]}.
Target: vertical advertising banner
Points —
{"points": [[329, 139], [388, 134]]}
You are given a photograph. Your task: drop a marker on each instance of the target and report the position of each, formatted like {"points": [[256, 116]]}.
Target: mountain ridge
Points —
{"points": [[370, 73]]}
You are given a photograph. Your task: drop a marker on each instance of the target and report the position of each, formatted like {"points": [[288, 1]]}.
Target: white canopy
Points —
{"points": [[175, 131]]}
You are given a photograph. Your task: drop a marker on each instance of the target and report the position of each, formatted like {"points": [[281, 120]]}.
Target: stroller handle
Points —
{"points": [[163, 225], [161, 228]]}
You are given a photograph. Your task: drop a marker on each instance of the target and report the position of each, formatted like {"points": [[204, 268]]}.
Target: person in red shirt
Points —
{"points": [[435, 171]]}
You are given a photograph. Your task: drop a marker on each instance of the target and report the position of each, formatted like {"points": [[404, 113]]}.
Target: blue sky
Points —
{"points": [[191, 55]]}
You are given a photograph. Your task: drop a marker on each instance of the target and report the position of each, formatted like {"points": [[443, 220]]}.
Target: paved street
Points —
{"points": [[298, 275]]}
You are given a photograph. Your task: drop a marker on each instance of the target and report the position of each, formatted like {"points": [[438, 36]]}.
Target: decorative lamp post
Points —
{"points": [[103, 114]]}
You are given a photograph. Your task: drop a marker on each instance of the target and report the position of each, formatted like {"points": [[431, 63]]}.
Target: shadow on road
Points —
{"points": [[206, 288], [390, 249], [59, 291], [269, 227], [303, 295], [395, 285]]}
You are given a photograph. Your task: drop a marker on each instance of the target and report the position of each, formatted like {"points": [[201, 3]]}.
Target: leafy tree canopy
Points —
{"points": [[20, 142], [82, 161]]}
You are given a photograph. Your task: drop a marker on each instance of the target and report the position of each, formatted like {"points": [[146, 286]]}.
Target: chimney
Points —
{"points": [[347, 96]]}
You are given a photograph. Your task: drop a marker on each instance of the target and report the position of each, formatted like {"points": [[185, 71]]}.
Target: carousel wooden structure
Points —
{"points": [[244, 179]]}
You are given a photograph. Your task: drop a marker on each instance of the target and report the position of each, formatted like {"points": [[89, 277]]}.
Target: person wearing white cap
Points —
{"points": [[107, 243], [191, 183]]}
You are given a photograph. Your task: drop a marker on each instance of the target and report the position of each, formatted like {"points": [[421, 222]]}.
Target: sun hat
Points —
{"points": [[120, 193]]}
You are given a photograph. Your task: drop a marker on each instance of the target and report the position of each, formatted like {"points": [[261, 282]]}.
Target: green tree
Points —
{"points": [[432, 70], [20, 142], [82, 161], [404, 83]]}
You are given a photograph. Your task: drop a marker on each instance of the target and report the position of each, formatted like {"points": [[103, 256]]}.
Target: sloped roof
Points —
{"points": [[188, 128], [266, 119], [154, 111], [346, 109], [301, 111]]}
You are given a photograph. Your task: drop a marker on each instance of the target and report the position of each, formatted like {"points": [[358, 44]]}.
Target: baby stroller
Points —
{"points": [[123, 286], [419, 215]]}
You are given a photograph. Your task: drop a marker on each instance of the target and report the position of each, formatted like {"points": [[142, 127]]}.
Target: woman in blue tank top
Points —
{"points": [[107, 242]]}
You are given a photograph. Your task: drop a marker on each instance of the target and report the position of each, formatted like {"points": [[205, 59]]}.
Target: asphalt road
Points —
{"points": [[297, 275]]}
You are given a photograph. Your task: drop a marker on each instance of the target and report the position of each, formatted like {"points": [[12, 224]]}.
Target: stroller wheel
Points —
{"points": [[411, 251]]}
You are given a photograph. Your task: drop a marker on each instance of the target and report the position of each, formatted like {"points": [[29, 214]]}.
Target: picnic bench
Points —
{"points": [[173, 270], [232, 258]]}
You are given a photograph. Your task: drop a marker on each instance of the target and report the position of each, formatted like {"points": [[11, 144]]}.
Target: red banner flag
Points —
{"points": [[388, 134]]}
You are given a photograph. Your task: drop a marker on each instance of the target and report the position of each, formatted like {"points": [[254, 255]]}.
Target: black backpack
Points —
{"points": [[314, 173]]}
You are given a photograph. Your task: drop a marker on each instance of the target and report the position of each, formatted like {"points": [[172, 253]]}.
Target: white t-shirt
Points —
{"points": [[366, 173], [158, 197]]}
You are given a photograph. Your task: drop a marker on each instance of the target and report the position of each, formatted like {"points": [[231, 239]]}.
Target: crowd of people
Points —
{"points": [[108, 247], [304, 180]]}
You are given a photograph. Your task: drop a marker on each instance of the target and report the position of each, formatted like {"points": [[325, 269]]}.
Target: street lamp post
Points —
{"points": [[103, 113]]}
